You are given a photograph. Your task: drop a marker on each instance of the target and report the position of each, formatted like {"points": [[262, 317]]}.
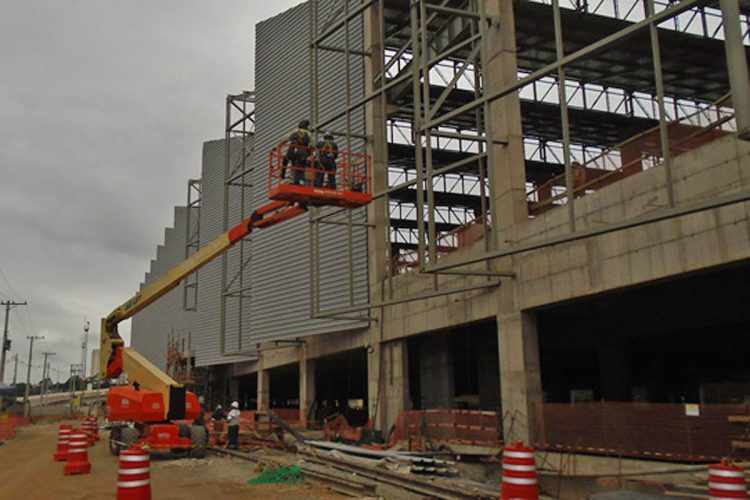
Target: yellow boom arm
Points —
{"points": [[114, 358]]}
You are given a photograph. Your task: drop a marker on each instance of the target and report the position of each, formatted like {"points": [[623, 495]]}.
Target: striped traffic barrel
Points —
{"points": [[78, 456], [519, 473], [726, 481], [63, 438], [88, 428], [134, 477]]}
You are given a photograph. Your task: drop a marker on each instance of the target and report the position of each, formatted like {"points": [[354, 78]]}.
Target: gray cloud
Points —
{"points": [[104, 105]]}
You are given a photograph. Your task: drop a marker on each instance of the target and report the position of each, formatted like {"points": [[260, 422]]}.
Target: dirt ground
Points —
{"points": [[27, 472]]}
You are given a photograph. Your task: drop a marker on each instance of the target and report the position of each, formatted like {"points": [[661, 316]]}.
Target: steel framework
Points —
{"points": [[192, 242], [238, 169], [429, 83]]}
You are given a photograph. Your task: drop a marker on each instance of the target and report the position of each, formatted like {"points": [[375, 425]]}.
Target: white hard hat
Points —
{"points": [[235, 404]]}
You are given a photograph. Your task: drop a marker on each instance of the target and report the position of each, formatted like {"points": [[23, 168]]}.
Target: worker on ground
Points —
{"points": [[218, 419], [327, 152], [298, 152], [233, 420]]}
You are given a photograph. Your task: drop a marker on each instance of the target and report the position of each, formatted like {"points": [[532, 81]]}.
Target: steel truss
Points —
{"points": [[238, 188], [426, 46]]}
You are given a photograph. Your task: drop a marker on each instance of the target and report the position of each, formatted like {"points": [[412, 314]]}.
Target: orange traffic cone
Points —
{"points": [[63, 437], [726, 481], [134, 476], [519, 473], [78, 456]]}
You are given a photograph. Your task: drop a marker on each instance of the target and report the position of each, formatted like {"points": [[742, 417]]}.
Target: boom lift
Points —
{"points": [[154, 410]]}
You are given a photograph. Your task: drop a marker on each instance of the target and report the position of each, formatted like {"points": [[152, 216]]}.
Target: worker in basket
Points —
{"points": [[298, 152], [327, 152]]}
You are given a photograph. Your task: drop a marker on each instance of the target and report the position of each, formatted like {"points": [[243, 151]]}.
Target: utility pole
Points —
{"points": [[45, 373], [26, 404], [84, 346], [6, 343], [15, 368]]}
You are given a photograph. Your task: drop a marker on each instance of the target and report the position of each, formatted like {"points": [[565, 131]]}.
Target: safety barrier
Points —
{"points": [[469, 427], [134, 475], [519, 478], [63, 440], [78, 456], [657, 431], [726, 481]]}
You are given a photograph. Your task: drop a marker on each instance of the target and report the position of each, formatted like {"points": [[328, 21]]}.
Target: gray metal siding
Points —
{"points": [[206, 329], [150, 329], [280, 304], [278, 272]]}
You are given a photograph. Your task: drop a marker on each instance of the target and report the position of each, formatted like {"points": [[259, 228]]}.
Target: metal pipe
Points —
{"points": [[494, 274], [737, 66], [452, 11], [342, 223], [659, 81], [482, 147], [413, 298], [424, 52], [562, 95], [225, 226], [416, 135], [587, 51], [313, 233], [662, 215], [342, 51], [348, 94]]}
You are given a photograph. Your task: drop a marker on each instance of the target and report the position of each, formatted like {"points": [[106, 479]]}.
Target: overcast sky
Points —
{"points": [[104, 105]]}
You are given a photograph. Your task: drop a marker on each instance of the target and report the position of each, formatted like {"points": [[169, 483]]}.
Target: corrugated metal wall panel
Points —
{"points": [[280, 266], [206, 329], [151, 328]]}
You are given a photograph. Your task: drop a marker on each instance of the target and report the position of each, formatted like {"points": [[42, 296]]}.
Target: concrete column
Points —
{"points": [[264, 389], [436, 374], [388, 383], [509, 169], [520, 377], [306, 386]]}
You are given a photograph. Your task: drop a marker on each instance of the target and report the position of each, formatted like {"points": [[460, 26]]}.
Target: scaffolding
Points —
{"points": [[192, 242], [238, 168], [563, 95]]}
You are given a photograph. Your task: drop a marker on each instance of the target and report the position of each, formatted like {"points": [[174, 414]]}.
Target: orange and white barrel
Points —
{"points": [[78, 456], [63, 438], [520, 480], [134, 476], [94, 427], [726, 481]]}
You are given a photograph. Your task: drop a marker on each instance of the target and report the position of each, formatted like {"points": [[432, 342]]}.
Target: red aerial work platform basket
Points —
{"points": [[310, 183]]}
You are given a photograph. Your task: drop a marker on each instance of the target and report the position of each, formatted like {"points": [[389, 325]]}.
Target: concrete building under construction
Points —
{"points": [[558, 249]]}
